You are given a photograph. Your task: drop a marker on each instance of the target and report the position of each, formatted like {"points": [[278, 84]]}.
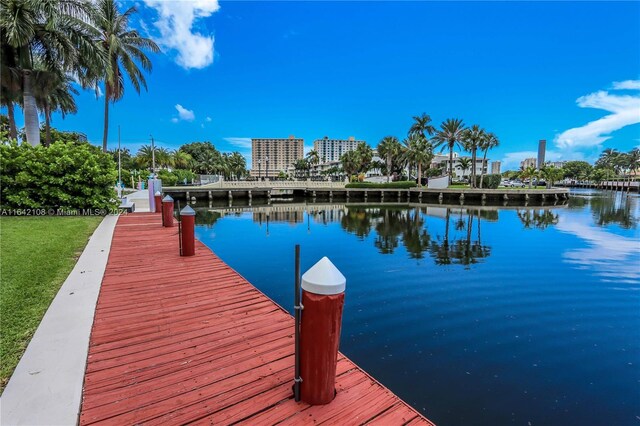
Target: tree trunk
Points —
{"points": [[484, 159], [106, 120], [388, 168], [13, 131], [47, 125], [450, 163], [419, 174], [473, 168], [31, 122]]}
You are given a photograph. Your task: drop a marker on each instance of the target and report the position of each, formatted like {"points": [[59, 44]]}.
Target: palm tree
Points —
{"points": [[464, 164], [55, 32], [489, 141], [529, 173], [472, 138], [389, 147], [450, 134], [364, 154], [421, 126], [350, 162], [418, 150], [54, 91], [10, 82], [123, 47], [182, 160]]}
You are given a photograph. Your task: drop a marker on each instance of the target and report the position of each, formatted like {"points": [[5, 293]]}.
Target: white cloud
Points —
{"points": [[208, 119], [626, 85], [176, 20], [625, 111], [174, 120], [99, 93], [185, 114]]}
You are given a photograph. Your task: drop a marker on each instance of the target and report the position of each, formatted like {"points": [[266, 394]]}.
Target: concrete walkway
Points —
{"points": [[46, 386], [141, 199]]}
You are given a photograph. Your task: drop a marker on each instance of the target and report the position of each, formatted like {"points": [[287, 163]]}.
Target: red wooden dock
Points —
{"points": [[180, 340]]}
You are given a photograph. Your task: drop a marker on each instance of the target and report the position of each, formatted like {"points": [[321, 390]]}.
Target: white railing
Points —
{"points": [[287, 184]]}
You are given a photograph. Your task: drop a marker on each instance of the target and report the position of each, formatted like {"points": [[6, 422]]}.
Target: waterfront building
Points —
{"points": [[556, 164], [527, 162], [442, 161], [495, 167], [330, 150], [542, 147], [270, 156]]}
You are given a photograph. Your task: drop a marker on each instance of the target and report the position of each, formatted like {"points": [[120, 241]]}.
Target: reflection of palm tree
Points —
{"points": [[540, 219], [389, 230], [415, 237], [356, 221], [612, 209]]}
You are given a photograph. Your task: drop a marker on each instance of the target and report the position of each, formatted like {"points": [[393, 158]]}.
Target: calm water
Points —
{"points": [[473, 316]]}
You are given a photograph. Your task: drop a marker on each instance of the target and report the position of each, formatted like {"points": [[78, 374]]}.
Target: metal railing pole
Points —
{"points": [[298, 310]]}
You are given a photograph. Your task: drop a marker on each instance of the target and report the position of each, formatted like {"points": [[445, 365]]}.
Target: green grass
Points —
{"points": [[37, 254], [391, 185]]}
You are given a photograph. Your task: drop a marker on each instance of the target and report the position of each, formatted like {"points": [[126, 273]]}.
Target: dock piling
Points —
{"points": [[187, 234], [323, 287], [167, 211], [158, 201]]}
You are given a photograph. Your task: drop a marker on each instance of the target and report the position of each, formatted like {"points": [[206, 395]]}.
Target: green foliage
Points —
{"points": [[399, 184], [182, 174], [64, 175], [577, 169], [168, 178], [489, 181]]}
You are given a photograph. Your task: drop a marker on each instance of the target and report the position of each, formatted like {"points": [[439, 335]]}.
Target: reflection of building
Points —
{"points": [[442, 160], [528, 162], [279, 216], [495, 167], [330, 150], [272, 155], [542, 147]]}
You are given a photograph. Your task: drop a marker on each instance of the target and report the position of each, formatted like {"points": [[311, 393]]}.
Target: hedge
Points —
{"points": [[489, 181], [400, 184], [64, 175]]}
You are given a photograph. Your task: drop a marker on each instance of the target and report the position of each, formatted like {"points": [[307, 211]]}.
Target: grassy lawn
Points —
{"points": [[37, 254]]}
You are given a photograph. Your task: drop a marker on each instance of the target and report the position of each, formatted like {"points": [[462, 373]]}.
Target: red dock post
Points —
{"points": [[188, 222], [323, 300], [167, 211], [158, 201]]}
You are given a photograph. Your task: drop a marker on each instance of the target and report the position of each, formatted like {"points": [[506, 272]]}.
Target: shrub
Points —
{"points": [[399, 184], [182, 174], [168, 178], [489, 181], [63, 175]]}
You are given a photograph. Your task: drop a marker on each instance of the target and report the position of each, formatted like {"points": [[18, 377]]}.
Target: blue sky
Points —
{"points": [[565, 72]]}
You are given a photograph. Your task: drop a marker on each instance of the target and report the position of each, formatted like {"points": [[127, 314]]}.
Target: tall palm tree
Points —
{"points": [[530, 173], [489, 141], [388, 148], [54, 91], [182, 160], [450, 134], [472, 138], [418, 150], [124, 47], [421, 126], [55, 32], [10, 82]]}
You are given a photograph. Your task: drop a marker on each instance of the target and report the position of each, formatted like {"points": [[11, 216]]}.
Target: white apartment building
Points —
{"points": [[442, 160], [330, 150]]}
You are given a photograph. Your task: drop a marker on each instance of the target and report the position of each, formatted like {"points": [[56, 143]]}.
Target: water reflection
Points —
{"points": [[537, 218], [611, 256]]}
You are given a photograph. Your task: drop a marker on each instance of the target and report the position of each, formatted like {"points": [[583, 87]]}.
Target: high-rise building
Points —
{"points": [[330, 150], [270, 156], [527, 162], [542, 147], [495, 167]]}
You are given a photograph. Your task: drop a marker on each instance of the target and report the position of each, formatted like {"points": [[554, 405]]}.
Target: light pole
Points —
{"points": [[266, 173]]}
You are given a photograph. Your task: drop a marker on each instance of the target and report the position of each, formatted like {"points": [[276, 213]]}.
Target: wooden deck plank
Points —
{"points": [[178, 340]]}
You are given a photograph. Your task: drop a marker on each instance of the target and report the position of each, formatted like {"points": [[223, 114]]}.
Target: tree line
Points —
{"points": [[416, 151]]}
